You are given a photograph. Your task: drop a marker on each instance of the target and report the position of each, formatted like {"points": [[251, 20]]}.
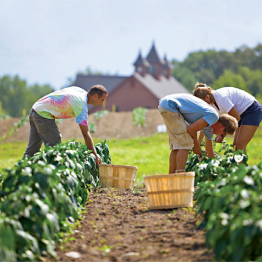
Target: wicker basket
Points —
{"points": [[170, 191], [117, 176]]}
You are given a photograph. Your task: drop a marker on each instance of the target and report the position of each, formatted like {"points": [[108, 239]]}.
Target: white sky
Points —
{"points": [[48, 41]]}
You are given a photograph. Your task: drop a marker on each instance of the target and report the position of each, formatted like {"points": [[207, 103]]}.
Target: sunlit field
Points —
{"points": [[149, 154]]}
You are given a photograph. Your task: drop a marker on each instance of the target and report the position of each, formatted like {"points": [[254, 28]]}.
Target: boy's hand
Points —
{"points": [[219, 139], [197, 149]]}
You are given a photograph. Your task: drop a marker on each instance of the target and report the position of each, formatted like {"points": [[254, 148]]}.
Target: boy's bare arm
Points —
{"points": [[193, 129]]}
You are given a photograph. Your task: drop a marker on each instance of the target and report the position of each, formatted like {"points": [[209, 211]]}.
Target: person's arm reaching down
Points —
{"points": [[209, 148], [233, 112], [89, 142], [192, 130]]}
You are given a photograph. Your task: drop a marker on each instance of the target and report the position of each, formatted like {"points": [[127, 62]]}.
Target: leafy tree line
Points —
{"points": [[241, 68], [16, 95]]}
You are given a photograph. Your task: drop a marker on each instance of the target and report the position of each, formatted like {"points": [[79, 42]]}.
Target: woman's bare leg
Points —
{"points": [[235, 137], [245, 134]]}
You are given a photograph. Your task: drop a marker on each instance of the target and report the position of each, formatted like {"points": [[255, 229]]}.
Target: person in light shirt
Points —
{"points": [[65, 103], [237, 103], [184, 115]]}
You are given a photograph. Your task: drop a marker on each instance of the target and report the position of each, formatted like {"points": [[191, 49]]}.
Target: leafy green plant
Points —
{"points": [[43, 195], [4, 116], [7, 241], [139, 116], [21, 122], [229, 196], [97, 115], [59, 121], [232, 208], [92, 127]]}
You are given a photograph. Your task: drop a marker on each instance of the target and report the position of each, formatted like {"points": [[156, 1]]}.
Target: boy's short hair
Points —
{"points": [[229, 122], [97, 89]]}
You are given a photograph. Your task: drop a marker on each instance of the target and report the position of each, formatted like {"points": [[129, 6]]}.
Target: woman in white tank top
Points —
{"points": [[237, 103]]}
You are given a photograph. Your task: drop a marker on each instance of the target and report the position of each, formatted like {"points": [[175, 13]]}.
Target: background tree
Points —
{"points": [[230, 79], [253, 79], [17, 95], [184, 75], [87, 71], [241, 68]]}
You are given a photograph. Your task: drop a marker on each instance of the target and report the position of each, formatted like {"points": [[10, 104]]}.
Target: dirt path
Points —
{"points": [[118, 226]]}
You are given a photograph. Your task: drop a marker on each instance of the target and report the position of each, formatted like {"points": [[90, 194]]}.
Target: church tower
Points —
{"points": [[141, 65]]}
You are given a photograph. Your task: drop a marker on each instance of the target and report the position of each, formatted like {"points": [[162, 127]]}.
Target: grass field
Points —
{"points": [[149, 154]]}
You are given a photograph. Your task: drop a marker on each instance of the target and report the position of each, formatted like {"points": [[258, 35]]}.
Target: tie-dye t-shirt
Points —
{"points": [[65, 103]]}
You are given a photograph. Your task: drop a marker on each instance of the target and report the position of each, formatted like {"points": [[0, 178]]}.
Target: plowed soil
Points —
{"points": [[118, 226], [112, 125]]}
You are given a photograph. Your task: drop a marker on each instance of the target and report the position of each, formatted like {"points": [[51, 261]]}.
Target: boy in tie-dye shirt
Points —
{"points": [[65, 103]]}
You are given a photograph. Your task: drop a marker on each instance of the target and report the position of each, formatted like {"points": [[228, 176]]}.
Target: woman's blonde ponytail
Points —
{"points": [[202, 90]]}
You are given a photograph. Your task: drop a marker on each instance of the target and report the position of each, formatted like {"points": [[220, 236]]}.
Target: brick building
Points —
{"points": [[150, 82]]}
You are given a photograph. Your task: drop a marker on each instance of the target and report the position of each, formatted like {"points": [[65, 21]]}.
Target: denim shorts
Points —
{"points": [[252, 116]]}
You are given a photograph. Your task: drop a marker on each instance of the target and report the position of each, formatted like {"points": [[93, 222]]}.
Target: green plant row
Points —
{"points": [[21, 122], [4, 116], [92, 127], [229, 196], [139, 116], [99, 114], [41, 196]]}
